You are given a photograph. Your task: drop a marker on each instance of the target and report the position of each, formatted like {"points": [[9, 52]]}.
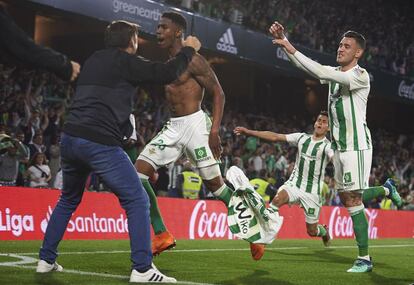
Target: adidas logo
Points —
{"points": [[226, 42]]}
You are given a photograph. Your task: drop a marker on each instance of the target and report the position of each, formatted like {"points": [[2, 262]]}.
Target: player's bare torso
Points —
{"points": [[184, 96]]}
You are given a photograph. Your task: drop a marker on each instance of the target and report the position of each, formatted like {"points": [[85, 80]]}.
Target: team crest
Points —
{"points": [[200, 153], [347, 177]]}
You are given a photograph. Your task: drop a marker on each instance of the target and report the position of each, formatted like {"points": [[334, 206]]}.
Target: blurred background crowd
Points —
{"points": [[32, 112], [387, 25]]}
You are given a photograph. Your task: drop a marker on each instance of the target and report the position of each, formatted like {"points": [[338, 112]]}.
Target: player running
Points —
{"points": [[349, 86], [305, 183], [189, 131]]}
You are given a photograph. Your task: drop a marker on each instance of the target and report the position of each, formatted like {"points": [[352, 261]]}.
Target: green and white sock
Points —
{"points": [[321, 231], [223, 194], [360, 229], [155, 215], [374, 192]]}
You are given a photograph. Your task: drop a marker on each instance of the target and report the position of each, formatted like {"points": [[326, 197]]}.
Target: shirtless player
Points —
{"points": [[189, 131]]}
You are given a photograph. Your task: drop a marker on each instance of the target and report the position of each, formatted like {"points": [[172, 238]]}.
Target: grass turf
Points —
{"points": [[219, 262]]}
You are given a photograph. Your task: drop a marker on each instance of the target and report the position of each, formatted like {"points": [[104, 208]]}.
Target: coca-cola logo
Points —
{"points": [[208, 224], [342, 226]]}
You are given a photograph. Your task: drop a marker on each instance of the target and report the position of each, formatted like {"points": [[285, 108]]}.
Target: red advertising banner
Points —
{"points": [[25, 212]]}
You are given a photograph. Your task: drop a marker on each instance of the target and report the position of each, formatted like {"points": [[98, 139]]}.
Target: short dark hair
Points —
{"points": [[119, 33], [323, 113], [176, 18], [359, 38]]}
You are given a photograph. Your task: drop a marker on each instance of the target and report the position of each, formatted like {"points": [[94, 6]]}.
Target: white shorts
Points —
{"points": [[181, 135], [311, 203], [352, 169]]}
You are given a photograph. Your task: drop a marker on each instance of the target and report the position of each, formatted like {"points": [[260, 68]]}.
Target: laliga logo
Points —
{"points": [[214, 225], [342, 226], [15, 223], [44, 222], [226, 42]]}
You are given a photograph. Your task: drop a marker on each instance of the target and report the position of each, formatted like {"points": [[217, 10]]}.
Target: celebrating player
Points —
{"points": [[305, 183], [189, 131], [349, 87]]}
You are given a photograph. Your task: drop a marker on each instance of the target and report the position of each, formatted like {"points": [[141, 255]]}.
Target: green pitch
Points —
{"points": [[216, 262]]}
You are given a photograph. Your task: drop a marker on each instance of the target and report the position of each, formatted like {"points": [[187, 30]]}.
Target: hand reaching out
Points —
{"points": [[240, 131], [279, 38], [193, 42], [277, 31], [75, 70]]}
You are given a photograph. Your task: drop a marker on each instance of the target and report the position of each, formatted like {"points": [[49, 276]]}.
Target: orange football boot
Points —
{"points": [[257, 250], [161, 242]]}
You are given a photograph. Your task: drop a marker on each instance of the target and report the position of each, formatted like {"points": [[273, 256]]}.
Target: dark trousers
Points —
{"points": [[112, 164]]}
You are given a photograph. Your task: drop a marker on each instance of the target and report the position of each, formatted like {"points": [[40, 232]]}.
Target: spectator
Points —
{"points": [[37, 145], [9, 161], [24, 160], [39, 171], [264, 188], [54, 158], [189, 183]]}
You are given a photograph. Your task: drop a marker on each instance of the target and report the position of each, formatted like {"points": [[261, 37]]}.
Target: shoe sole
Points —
{"points": [[360, 271], [171, 246]]}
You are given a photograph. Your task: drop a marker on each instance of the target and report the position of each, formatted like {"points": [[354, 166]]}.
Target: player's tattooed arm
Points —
{"points": [[206, 77]]}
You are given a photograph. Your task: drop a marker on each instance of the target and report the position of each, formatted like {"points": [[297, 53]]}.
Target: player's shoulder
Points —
{"points": [[293, 137], [298, 134], [198, 64], [303, 136], [360, 72], [327, 142], [199, 59]]}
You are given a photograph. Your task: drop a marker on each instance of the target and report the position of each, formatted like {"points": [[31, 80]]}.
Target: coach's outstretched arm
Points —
{"points": [[321, 72], [266, 135], [139, 70], [15, 42]]}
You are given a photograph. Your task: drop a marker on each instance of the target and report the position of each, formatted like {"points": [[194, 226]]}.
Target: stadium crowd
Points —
{"points": [[386, 25], [32, 111]]}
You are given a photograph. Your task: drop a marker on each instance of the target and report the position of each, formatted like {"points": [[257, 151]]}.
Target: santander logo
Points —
{"points": [[91, 223], [342, 226], [208, 224]]}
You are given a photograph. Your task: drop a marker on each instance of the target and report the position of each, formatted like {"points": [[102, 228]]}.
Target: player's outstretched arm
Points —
{"points": [[266, 135], [312, 67], [207, 79], [277, 31]]}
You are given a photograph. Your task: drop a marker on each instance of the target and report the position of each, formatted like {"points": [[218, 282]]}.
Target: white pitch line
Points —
{"points": [[105, 275], [375, 246], [215, 249], [26, 260]]}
